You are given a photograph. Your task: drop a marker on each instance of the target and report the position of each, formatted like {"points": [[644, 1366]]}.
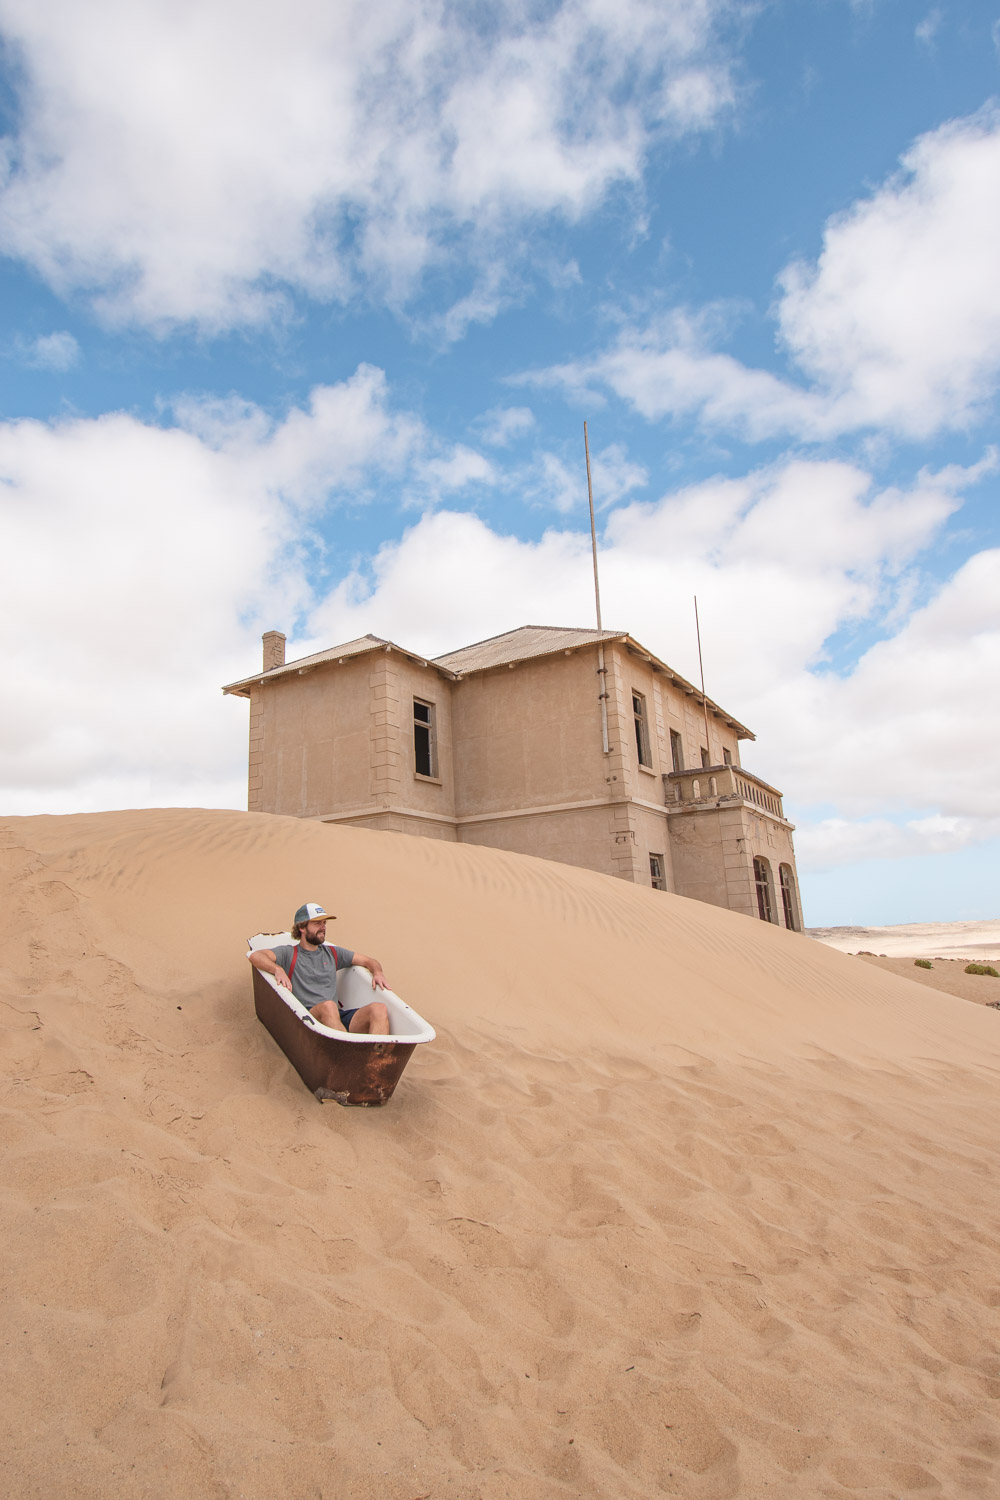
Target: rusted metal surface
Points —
{"points": [[361, 1073]]}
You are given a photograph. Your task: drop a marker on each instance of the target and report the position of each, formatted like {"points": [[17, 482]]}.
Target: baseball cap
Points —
{"points": [[310, 912]]}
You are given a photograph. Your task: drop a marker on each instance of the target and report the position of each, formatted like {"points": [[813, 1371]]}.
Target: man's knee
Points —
{"points": [[327, 1013], [373, 1019]]}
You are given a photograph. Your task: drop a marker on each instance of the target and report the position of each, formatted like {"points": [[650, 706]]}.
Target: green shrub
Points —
{"points": [[982, 969], [922, 963]]}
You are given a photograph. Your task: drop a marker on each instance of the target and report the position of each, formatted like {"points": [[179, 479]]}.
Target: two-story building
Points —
{"points": [[573, 745]]}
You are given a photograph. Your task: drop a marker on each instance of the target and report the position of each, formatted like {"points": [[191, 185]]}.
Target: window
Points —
{"points": [[787, 882], [705, 757], [641, 731], [424, 739], [656, 878], [727, 757], [676, 750], [762, 880]]}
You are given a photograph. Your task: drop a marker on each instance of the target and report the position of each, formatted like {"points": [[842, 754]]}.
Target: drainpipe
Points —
{"points": [[602, 670]]}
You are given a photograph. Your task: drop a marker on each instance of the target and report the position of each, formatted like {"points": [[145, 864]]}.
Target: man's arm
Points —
{"points": [[264, 960], [379, 981]]}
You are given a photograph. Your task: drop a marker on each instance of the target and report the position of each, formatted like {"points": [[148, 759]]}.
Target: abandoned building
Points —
{"points": [[573, 745]]}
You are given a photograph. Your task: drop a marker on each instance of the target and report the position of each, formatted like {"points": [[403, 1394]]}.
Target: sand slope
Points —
{"points": [[946, 974], [678, 1204]]}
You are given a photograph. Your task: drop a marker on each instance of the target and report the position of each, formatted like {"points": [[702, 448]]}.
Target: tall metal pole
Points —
{"points": [[701, 668], [602, 670], [593, 528]]}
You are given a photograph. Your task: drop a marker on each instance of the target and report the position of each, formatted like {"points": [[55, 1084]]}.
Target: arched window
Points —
{"points": [[788, 901], [762, 881]]}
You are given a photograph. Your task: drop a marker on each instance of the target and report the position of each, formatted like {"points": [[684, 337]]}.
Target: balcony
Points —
{"points": [[715, 786]]}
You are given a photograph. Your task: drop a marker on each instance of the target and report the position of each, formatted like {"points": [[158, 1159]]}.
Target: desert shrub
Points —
{"points": [[922, 963], [982, 969]]}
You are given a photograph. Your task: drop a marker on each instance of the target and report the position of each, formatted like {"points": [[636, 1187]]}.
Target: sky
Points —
{"points": [[304, 306]]}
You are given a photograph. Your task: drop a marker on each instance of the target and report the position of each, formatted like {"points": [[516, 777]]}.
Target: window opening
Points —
{"points": [[762, 880], [641, 731], [787, 882], [704, 757], [656, 876], [727, 757], [676, 750], [424, 739]]}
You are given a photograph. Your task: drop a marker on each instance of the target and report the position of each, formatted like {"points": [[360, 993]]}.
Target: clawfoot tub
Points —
{"points": [[342, 1067]]}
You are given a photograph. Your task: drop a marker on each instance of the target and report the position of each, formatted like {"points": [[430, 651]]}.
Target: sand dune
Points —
{"points": [[677, 1204]]}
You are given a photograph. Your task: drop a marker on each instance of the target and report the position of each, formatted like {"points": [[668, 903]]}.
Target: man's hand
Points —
{"points": [[260, 959], [379, 981]]}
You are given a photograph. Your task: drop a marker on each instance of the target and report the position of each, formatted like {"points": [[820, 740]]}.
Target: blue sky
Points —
{"points": [[304, 307]]}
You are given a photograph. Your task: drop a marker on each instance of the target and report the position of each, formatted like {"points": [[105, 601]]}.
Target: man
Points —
{"points": [[309, 970]]}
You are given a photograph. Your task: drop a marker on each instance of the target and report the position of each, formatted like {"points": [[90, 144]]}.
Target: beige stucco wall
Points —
{"points": [[580, 836], [339, 739], [528, 736], [398, 822], [713, 853], [315, 732], [667, 707], [416, 792]]}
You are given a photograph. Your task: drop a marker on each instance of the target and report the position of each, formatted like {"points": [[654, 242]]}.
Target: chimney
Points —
{"points": [[274, 649]]}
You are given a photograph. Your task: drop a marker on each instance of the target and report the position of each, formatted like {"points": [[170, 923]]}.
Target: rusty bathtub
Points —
{"points": [[336, 1066]]}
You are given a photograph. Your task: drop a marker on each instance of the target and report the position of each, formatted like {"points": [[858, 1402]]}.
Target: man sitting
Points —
{"points": [[309, 970]]}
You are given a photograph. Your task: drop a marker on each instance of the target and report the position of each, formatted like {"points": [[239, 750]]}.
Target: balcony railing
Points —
{"points": [[711, 785]]}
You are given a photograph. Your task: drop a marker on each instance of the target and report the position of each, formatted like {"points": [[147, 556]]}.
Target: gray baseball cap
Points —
{"points": [[310, 912]]}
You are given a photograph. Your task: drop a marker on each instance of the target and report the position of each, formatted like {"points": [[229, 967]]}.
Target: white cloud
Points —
{"points": [[926, 30], [148, 561], [463, 467], [501, 425], [548, 480], [838, 841], [51, 351], [899, 321], [187, 164], [896, 326]]}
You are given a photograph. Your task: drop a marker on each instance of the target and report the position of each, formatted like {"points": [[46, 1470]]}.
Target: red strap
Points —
{"points": [[295, 954]]}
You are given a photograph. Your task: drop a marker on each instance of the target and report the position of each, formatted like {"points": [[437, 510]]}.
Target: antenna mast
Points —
{"points": [[602, 670], [701, 668]]}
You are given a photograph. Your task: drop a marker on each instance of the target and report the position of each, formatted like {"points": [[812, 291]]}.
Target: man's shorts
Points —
{"points": [[345, 1015]]}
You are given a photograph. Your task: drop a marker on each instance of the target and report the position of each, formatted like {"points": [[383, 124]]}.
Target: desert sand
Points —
{"points": [[976, 941], [678, 1204]]}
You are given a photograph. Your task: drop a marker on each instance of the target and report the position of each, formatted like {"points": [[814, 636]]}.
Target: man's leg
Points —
{"points": [[373, 1019], [328, 1013]]}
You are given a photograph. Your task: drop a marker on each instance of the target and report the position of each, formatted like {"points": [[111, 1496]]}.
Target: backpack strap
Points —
{"points": [[291, 966]]}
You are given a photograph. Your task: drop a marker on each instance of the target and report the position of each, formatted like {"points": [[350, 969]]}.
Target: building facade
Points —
{"points": [[572, 745]]}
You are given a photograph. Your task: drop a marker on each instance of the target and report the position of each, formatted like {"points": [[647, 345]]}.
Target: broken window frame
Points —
{"points": [[641, 722], [425, 739]]}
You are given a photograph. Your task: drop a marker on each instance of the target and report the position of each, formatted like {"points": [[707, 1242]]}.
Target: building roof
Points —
{"points": [[520, 645], [546, 640], [357, 647], [523, 644]]}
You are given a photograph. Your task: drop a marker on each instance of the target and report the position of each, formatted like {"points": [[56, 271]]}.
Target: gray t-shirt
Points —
{"points": [[314, 977]]}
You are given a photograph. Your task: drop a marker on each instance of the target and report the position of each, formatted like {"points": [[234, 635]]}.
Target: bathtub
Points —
{"points": [[336, 1066]]}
